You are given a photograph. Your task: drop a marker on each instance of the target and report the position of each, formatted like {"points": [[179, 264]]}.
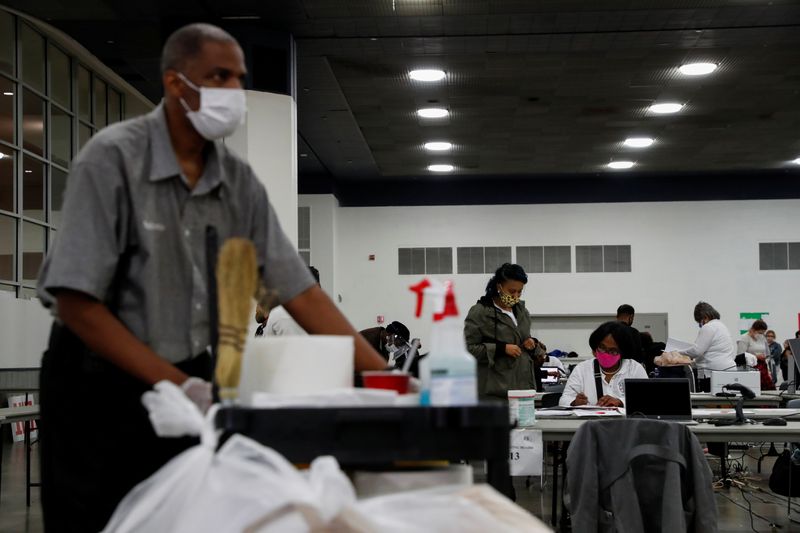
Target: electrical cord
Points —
{"points": [[749, 509], [753, 514]]}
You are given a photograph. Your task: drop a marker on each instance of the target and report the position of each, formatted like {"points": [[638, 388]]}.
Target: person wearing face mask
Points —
{"points": [[601, 381], [713, 348], [497, 330], [128, 283], [774, 358], [386, 341], [755, 342]]}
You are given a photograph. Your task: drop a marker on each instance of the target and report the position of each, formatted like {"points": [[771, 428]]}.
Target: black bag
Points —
{"points": [[779, 480]]}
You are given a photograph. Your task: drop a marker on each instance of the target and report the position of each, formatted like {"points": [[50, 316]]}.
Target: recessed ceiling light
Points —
{"points": [[666, 107], [426, 75], [8, 93], [440, 168], [2, 155], [28, 171], [303, 155], [619, 165], [438, 146], [638, 142], [432, 112], [796, 161], [698, 69]]}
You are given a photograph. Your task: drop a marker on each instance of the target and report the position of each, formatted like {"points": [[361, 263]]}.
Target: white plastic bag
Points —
{"points": [[243, 487]]}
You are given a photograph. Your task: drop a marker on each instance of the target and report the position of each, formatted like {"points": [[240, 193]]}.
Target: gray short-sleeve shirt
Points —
{"points": [[162, 294]]}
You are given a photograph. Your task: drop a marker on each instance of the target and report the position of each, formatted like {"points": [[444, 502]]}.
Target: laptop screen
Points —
{"points": [[658, 398]]}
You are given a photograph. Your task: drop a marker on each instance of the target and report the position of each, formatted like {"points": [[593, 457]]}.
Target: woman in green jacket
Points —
{"points": [[498, 334]]}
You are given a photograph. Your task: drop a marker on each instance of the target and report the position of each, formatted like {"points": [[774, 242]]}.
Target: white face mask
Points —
{"points": [[221, 110]]}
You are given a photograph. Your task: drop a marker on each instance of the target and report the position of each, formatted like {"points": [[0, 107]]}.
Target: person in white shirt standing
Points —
{"points": [[601, 381], [713, 348], [280, 323]]}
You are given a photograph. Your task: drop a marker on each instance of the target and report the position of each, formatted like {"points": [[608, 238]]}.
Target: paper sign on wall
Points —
{"points": [[746, 320], [526, 452]]}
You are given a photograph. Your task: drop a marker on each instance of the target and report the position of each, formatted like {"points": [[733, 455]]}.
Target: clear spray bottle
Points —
{"points": [[449, 372]]}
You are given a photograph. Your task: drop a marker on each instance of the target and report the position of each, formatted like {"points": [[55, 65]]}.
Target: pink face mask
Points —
{"points": [[607, 360]]}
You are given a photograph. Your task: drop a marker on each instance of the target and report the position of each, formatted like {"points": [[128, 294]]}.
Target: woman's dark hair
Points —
{"points": [[621, 333], [759, 325], [705, 310], [506, 272]]}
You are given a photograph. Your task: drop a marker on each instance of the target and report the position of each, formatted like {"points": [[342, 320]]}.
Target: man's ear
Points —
{"points": [[172, 83]]}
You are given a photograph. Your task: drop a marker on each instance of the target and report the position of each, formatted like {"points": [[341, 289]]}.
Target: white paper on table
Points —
{"points": [[674, 345], [525, 452], [553, 413], [598, 412]]}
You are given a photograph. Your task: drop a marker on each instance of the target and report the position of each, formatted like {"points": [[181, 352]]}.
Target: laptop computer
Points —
{"points": [[750, 379], [660, 399]]}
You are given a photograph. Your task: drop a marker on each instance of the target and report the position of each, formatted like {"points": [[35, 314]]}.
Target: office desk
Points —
{"points": [[563, 429], [706, 399], [25, 413]]}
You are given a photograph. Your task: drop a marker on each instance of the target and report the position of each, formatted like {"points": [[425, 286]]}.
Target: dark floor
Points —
{"points": [[17, 518]]}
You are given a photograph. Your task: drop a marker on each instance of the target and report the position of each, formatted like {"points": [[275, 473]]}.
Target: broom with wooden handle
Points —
{"points": [[237, 281]]}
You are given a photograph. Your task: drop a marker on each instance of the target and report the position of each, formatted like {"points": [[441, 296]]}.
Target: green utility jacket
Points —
{"points": [[487, 330]]}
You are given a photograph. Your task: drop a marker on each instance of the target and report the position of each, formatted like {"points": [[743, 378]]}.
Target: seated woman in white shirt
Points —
{"points": [[614, 350]]}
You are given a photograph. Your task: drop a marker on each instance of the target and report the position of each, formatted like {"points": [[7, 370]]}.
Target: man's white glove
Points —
{"points": [[199, 391], [171, 412]]}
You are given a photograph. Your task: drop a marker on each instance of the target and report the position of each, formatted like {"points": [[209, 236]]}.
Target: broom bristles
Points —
{"points": [[237, 280]]}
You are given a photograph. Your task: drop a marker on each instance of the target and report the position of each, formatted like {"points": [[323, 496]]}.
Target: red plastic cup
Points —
{"points": [[383, 379]]}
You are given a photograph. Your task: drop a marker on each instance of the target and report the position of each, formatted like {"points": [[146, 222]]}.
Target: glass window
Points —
{"points": [[7, 90], [100, 117], [7, 42], [84, 134], [84, 94], [114, 106], [33, 173], [32, 57], [8, 248], [58, 183], [8, 190], [60, 77], [33, 237], [32, 123], [60, 136]]}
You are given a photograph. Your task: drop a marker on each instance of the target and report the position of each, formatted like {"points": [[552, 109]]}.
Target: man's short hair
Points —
{"points": [[625, 310], [186, 43]]}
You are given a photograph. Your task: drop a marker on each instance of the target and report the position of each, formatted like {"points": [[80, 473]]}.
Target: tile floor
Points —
{"points": [[15, 517]]}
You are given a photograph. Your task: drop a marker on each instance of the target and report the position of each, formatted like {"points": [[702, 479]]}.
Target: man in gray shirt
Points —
{"points": [[127, 279]]}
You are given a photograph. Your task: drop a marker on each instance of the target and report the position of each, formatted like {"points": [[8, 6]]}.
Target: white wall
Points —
{"points": [[681, 252], [268, 141], [324, 208], [24, 330]]}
